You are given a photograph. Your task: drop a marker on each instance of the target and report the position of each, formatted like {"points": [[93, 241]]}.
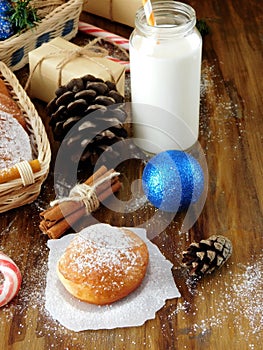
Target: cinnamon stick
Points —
{"points": [[58, 219], [60, 210], [98, 174], [57, 212], [63, 209], [13, 173], [60, 227], [55, 226], [106, 184], [115, 186]]}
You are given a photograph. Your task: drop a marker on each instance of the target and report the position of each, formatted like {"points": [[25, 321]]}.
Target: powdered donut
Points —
{"points": [[103, 264], [14, 142], [12, 279]]}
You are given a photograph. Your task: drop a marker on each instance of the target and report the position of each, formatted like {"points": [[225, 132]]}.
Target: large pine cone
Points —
{"points": [[207, 255], [94, 133]]}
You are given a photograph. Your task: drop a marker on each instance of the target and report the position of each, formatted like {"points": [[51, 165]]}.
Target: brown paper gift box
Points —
{"points": [[122, 11], [44, 61]]}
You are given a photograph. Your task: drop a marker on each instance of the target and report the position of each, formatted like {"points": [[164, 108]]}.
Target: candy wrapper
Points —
{"points": [[57, 62], [134, 310]]}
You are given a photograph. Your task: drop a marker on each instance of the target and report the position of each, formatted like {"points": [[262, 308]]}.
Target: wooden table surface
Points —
{"points": [[223, 310]]}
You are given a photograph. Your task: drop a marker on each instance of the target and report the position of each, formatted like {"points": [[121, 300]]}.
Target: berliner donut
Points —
{"points": [[12, 279], [103, 264], [14, 142]]}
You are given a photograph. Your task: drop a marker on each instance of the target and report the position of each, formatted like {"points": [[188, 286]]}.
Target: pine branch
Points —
{"points": [[23, 15]]}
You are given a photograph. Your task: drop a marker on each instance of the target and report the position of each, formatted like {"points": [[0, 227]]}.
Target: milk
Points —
{"points": [[165, 89]]}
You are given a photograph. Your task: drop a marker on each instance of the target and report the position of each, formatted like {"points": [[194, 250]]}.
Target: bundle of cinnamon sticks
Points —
{"points": [[57, 219]]}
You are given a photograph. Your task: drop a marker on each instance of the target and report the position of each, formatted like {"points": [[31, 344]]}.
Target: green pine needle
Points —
{"points": [[23, 15]]}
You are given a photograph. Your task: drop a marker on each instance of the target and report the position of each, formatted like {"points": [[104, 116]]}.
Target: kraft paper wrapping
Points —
{"points": [[44, 61], [122, 11]]}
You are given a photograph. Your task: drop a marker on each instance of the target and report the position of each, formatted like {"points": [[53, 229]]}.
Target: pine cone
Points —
{"points": [[207, 255], [95, 132]]}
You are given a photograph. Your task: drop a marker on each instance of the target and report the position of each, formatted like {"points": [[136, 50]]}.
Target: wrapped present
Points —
{"points": [[61, 20], [122, 11], [57, 62]]}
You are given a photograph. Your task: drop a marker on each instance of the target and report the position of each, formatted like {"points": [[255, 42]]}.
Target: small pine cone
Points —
{"points": [[207, 255]]}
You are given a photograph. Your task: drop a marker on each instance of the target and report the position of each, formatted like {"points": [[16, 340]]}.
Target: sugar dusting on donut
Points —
{"points": [[14, 142], [109, 261]]}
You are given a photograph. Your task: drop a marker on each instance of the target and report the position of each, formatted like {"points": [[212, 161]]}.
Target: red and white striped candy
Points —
{"points": [[114, 38], [101, 33], [12, 279], [124, 63]]}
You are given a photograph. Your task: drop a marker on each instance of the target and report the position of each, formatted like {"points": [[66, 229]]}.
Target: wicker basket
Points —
{"points": [[61, 22], [13, 193]]}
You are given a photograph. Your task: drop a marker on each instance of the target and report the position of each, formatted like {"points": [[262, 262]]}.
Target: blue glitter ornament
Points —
{"points": [[6, 29], [172, 180], [4, 8]]}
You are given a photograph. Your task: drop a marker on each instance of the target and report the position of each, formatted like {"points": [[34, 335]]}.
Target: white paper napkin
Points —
{"points": [[134, 310]]}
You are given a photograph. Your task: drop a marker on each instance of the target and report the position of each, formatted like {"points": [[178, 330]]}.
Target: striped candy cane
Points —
{"points": [[12, 279], [124, 63], [101, 33], [114, 38]]}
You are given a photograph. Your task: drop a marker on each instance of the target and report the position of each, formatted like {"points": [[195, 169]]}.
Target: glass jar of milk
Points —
{"points": [[165, 68]]}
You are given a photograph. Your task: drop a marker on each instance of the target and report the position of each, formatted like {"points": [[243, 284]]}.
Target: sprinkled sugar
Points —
{"points": [[112, 250], [245, 291], [15, 145], [235, 303]]}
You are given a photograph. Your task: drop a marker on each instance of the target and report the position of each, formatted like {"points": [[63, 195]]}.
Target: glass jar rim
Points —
{"points": [[177, 10]]}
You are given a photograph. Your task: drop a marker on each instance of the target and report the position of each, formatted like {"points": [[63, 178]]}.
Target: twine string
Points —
{"points": [[26, 173], [111, 11], [85, 193], [89, 51]]}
